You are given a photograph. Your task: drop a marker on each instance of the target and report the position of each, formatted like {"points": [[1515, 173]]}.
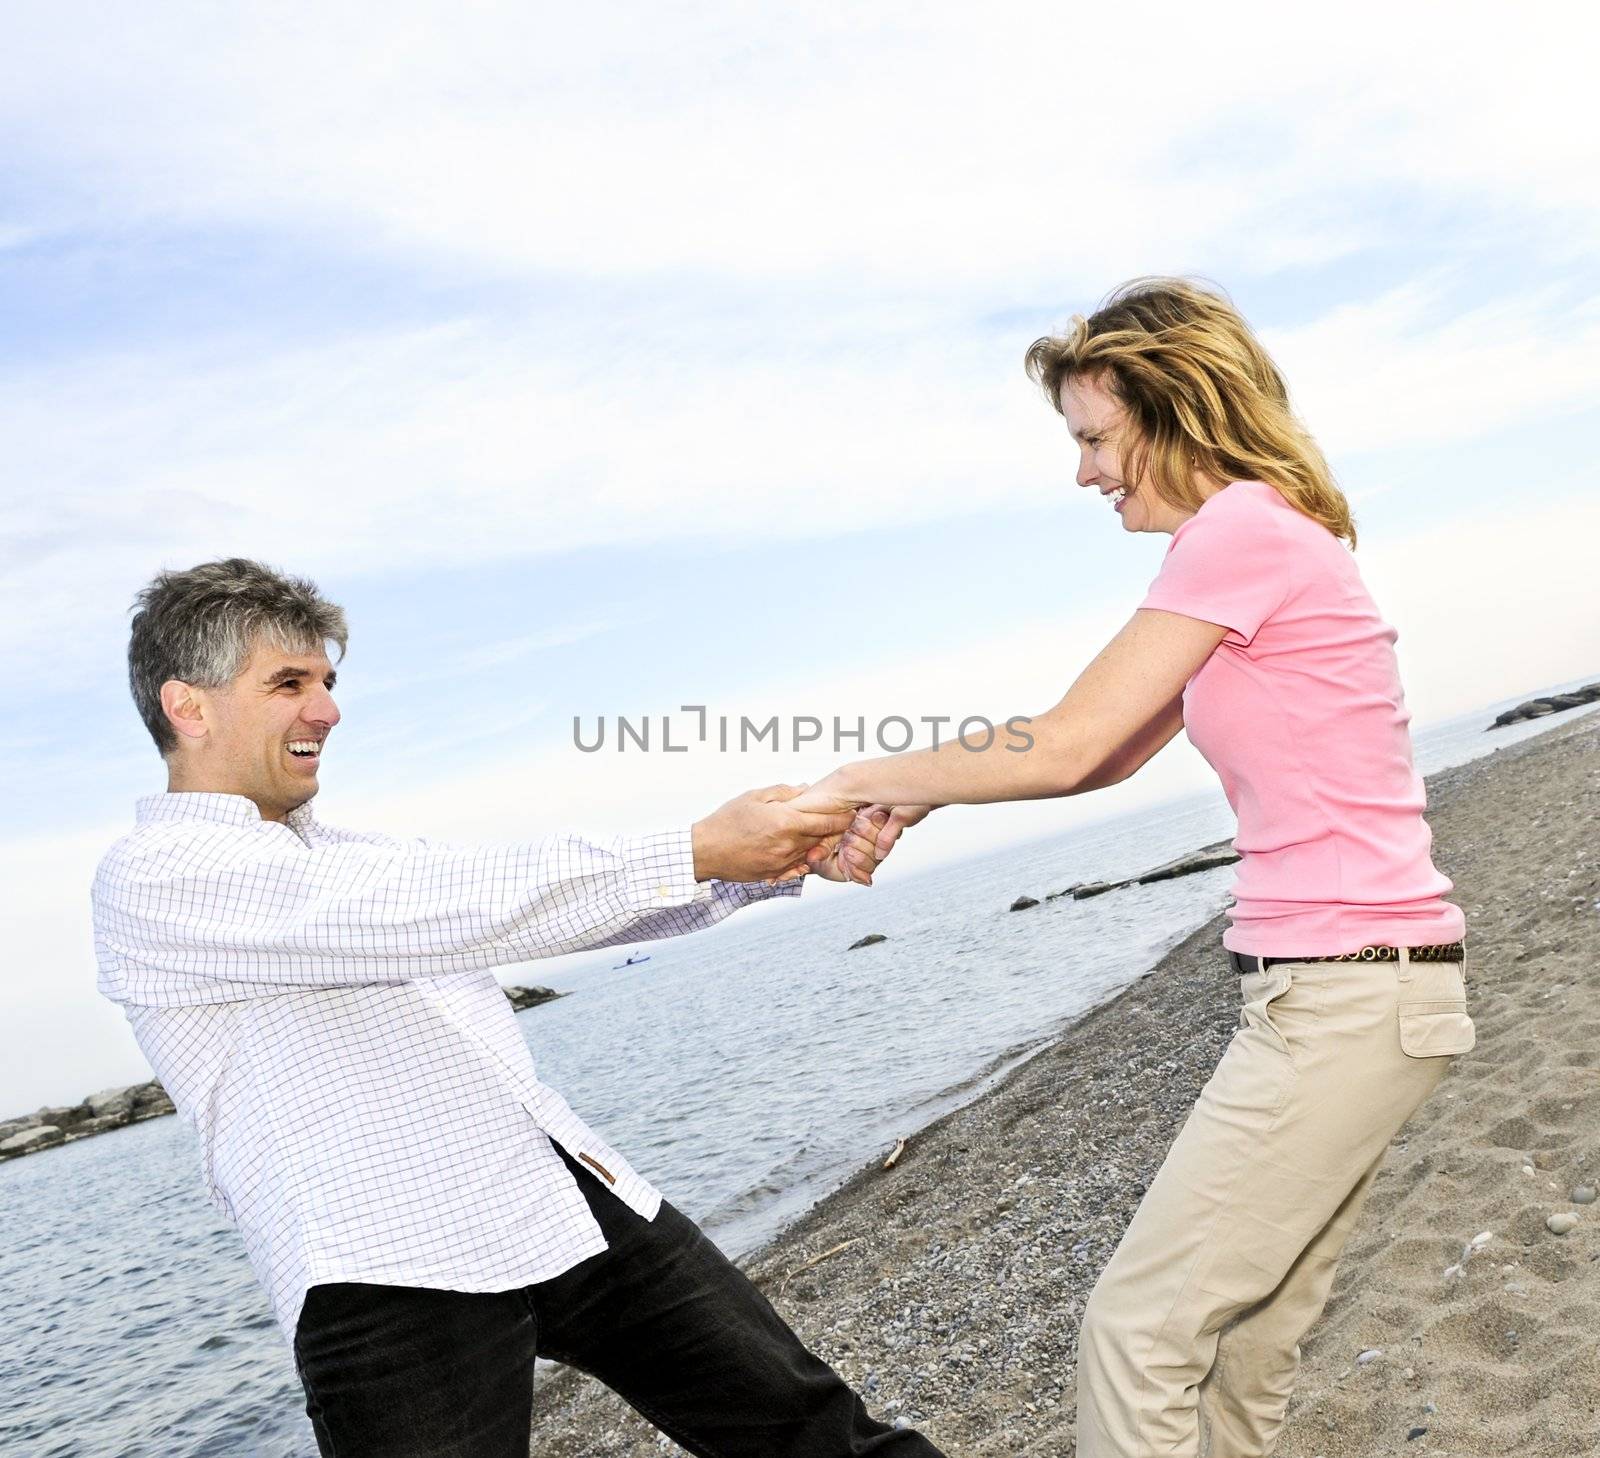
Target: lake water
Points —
{"points": [[762, 1068]]}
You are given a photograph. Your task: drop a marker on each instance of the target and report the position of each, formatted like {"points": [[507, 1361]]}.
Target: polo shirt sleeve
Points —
{"points": [[1228, 564]]}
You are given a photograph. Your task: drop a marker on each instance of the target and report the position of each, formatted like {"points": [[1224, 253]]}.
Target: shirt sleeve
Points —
{"points": [[1227, 565], [214, 912]]}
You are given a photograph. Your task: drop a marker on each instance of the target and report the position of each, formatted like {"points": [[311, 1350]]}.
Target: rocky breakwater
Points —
{"points": [[1207, 858], [109, 1109], [113, 1107], [1549, 704]]}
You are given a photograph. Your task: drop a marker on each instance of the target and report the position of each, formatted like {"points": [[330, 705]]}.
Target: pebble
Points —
{"points": [[1370, 1355], [1481, 1240], [1583, 1194], [1414, 1434], [1561, 1224]]}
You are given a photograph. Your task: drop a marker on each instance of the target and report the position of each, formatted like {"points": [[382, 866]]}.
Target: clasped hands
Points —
{"points": [[783, 832]]}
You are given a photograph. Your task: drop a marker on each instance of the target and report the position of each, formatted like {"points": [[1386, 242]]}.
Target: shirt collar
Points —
{"points": [[208, 805]]}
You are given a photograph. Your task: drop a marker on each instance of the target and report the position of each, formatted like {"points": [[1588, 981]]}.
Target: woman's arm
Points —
{"points": [[1119, 712]]}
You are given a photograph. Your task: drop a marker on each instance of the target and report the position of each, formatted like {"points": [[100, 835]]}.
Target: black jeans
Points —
{"points": [[662, 1317]]}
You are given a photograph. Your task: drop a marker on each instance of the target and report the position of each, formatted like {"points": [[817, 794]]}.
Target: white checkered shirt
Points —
{"points": [[319, 1005]]}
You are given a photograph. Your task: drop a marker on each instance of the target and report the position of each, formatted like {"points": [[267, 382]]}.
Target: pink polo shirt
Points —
{"points": [[1300, 712]]}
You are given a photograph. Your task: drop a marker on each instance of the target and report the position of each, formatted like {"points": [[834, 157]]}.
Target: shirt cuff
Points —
{"points": [[742, 893], [660, 870]]}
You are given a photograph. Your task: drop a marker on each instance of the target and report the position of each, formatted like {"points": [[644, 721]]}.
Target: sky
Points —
{"points": [[602, 360]]}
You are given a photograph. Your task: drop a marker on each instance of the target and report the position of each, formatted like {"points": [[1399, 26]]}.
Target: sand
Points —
{"points": [[955, 1297]]}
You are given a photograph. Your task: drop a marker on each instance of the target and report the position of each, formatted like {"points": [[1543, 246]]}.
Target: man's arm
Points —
{"points": [[188, 909]]}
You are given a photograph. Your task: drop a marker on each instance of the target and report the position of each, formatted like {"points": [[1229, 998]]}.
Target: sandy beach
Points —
{"points": [[949, 1288]]}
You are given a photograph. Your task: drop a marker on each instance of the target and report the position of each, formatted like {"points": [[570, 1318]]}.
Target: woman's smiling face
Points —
{"points": [[1099, 425]]}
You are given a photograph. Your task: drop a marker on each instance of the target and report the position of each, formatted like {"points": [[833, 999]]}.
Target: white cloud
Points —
{"points": [[1405, 368], [821, 211], [66, 1040], [445, 447], [1496, 604], [1036, 142]]}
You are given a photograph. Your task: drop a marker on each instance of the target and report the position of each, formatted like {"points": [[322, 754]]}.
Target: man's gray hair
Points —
{"points": [[201, 626]]}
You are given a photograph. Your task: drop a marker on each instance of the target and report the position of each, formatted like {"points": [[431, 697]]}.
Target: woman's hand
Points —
{"points": [[852, 856], [892, 820], [857, 854]]}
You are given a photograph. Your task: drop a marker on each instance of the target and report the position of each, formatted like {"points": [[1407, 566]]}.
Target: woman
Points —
{"points": [[1259, 638]]}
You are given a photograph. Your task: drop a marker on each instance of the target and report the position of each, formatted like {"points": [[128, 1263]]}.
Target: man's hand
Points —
{"points": [[760, 835]]}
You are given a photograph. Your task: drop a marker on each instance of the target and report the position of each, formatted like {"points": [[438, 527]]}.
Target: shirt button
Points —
{"points": [[663, 892]]}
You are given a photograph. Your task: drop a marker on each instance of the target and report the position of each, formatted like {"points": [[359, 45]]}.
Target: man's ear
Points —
{"points": [[184, 709]]}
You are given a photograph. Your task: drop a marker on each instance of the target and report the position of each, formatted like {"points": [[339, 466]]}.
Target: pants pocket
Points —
{"points": [[1433, 1012], [1258, 991]]}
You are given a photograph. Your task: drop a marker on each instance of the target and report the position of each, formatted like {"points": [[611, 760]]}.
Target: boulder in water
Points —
{"points": [[1548, 704], [1200, 860], [150, 1100], [40, 1136], [111, 1103], [525, 997]]}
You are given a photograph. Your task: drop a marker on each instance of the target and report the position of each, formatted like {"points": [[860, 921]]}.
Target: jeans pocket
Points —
{"points": [[1433, 1012]]}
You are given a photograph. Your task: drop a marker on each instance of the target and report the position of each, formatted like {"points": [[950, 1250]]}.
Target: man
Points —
{"points": [[426, 1215]]}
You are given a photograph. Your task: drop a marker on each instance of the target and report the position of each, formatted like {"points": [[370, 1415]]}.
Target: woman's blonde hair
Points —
{"points": [[1200, 395]]}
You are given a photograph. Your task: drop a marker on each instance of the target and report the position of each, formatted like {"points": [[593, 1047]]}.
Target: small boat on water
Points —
{"points": [[631, 962]]}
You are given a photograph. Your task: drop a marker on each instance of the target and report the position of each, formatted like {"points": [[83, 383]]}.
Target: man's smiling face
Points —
{"points": [[261, 736]]}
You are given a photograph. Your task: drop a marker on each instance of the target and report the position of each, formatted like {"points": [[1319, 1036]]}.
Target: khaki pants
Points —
{"points": [[1189, 1341]]}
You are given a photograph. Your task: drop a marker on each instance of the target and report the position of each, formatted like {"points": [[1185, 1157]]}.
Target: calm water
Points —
{"points": [[761, 1068]]}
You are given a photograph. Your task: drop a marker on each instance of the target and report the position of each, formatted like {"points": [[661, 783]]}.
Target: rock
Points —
{"points": [[109, 1109], [870, 940], [1583, 1194], [1370, 1355], [1022, 903], [1414, 1434], [1561, 1224], [1095, 888], [1065, 891], [41, 1136], [1550, 704], [1200, 860], [99, 1126], [110, 1102], [526, 997], [150, 1100]]}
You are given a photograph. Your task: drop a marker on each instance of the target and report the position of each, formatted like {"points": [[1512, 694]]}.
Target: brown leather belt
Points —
{"points": [[1440, 952]]}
